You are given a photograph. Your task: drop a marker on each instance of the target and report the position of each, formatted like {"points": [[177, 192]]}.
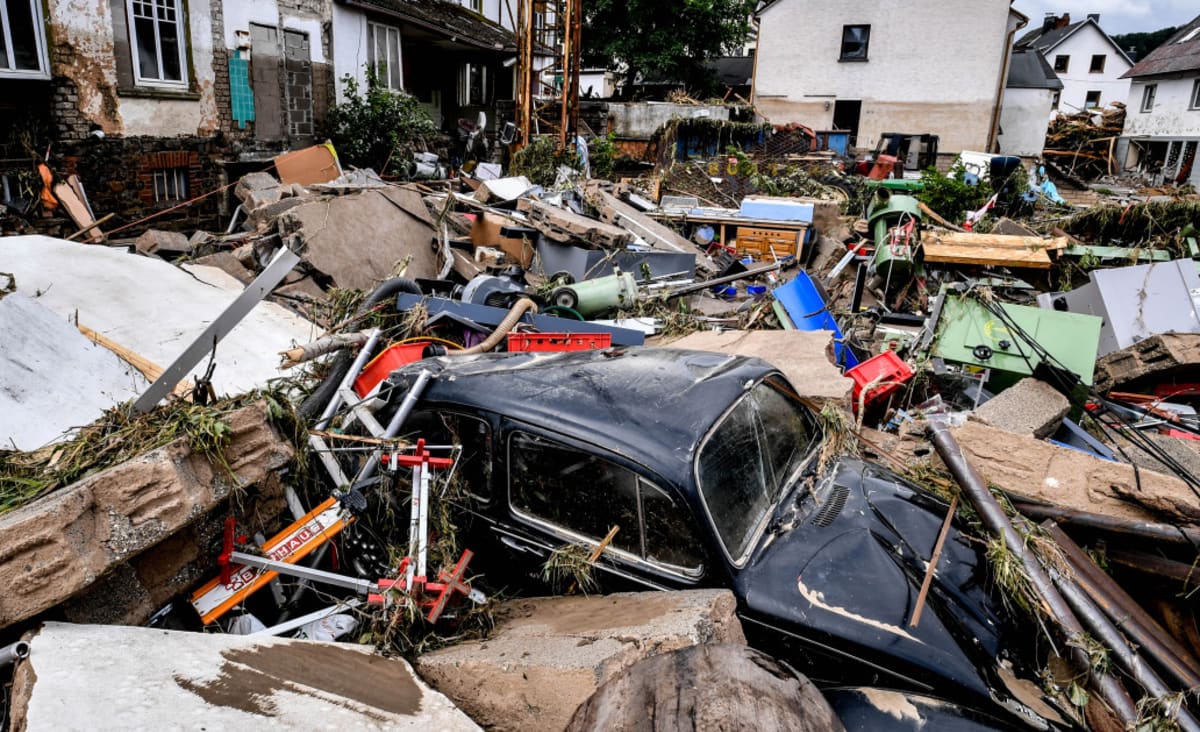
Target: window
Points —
{"points": [[170, 185], [1195, 101], [473, 85], [383, 55], [157, 41], [855, 39], [1148, 97], [1097, 66], [749, 459], [22, 40], [1092, 100], [587, 495], [1057, 99], [476, 5], [473, 465], [1061, 64]]}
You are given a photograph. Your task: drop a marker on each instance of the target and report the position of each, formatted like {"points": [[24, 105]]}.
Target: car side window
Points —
{"points": [[587, 495], [473, 469]]}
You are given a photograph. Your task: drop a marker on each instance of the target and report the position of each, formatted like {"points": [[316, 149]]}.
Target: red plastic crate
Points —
{"points": [[887, 369], [390, 359], [558, 341]]}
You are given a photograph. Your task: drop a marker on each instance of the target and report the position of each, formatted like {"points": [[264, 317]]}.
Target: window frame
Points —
{"points": [[1149, 94], [181, 22], [176, 176], [1066, 63], [39, 39], [373, 29], [1103, 63], [1194, 103], [475, 6], [567, 533], [866, 51], [1088, 96], [464, 82]]}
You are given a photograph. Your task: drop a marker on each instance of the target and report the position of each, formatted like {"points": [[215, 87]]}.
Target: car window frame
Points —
{"points": [[489, 456], [640, 472], [760, 527]]}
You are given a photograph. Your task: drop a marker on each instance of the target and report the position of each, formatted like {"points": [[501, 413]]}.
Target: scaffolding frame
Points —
{"points": [[548, 25]]}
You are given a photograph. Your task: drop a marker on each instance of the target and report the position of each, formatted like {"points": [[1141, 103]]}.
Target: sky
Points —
{"points": [[1116, 16]]}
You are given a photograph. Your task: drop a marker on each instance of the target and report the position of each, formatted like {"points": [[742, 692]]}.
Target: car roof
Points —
{"points": [[650, 405]]}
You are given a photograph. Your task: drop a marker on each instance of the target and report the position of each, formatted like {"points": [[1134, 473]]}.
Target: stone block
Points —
{"points": [[156, 241], [116, 678], [59, 545], [547, 656], [1029, 407], [254, 182], [1158, 357]]}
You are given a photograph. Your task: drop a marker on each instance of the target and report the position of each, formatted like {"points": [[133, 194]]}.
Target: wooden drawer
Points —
{"points": [[760, 242]]}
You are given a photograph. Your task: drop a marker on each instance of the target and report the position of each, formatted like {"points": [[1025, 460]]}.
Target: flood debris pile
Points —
{"points": [[842, 450]]}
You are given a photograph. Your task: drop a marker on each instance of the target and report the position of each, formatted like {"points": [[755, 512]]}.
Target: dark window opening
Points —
{"points": [[1195, 102], [1148, 97], [855, 39], [1061, 64], [170, 185], [1093, 100], [472, 472], [1097, 66], [21, 37]]}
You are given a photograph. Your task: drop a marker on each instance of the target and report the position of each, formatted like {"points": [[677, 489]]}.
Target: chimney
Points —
{"points": [[1048, 22], [1094, 17], [1064, 21]]}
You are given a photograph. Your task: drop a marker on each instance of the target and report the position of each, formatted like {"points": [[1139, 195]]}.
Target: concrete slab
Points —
{"points": [[52, 378], [152, 307], [103, 677], [1029, 407], [547, 656], [802, 356]]}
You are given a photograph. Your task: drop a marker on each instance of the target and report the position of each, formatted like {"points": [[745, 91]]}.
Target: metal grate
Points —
{"points": [[833, 506]]}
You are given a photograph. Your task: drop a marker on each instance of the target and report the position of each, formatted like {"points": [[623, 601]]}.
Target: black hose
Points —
{"points": [[315, 403]]}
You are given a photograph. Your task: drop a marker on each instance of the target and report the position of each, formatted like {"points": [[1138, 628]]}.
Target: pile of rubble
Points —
{"points": [[414, 454]]}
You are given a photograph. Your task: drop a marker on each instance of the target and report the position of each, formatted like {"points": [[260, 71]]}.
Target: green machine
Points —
{"points": [[595, 296], [963, 331], [894, 221]]}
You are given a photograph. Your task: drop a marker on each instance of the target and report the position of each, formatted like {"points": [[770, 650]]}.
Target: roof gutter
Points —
{"points": [[368, 7], [994, 128]]}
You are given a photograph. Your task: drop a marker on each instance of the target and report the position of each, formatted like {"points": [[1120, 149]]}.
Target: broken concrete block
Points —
{"points": [[565, 226], [502, 189], [200, 238], [547, 656], [1029, 407], [254, 182], [254, 200], [264, 216], [52, 378], [155, 241], [1028, 467], [60, 544], [100, 677], [1160, 357], [330, 233], [709, 687], [804, 357], [228, 263]]}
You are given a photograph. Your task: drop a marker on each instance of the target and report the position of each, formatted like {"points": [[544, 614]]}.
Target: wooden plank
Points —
{"points": [[1002, 241], [77, 209], [148, 368], [937, 253]]}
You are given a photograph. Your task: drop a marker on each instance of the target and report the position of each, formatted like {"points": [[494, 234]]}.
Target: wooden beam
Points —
{"points": [[148, 368]]}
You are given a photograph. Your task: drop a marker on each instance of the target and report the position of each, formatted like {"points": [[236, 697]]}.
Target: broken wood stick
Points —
{"points": [[148, 368], [91, 226], [933, 561], [320, 347], [397, 442], [925, 209], [596, 553]]}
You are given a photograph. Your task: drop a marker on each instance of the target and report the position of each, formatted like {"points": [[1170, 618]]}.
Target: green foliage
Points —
{"points": [[665, 40], [602, 156], [1144, 43], [378, 129], [948, 195], [540, 159]]}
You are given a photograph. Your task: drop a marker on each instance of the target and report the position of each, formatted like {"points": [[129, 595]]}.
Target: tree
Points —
{"points": [[668, 40], [1139, 45], [378, 129]]}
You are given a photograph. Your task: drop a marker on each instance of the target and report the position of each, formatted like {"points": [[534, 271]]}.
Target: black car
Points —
{"points": [[710, 466]]}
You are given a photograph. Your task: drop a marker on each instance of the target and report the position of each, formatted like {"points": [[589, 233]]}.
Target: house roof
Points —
{"points": [[1029, 70], [1048, 40], [1177, 55], [444, 18]]}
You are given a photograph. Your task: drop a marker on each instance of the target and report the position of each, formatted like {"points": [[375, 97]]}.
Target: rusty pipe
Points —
{"points": [[1148, 530], [1125, 612], [996, 522]]}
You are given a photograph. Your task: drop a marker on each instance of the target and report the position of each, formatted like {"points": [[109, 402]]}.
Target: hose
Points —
{"points": [[519, 308], [316, 401]]}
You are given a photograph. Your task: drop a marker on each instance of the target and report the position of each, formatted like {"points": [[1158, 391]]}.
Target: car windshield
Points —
{"points": [[748, 459]]}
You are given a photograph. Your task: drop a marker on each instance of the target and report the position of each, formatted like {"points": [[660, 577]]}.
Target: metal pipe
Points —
{"points": [[996, 522], [1099, 522], [1125, 612], [398, 419], [282, 628], [355, 369], [1126, 657], [13, 652]]}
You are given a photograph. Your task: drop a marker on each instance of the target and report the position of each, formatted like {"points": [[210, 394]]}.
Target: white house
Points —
{"points": [[1162, 127], [937, 66], [1089, 63], [1032, 89]]}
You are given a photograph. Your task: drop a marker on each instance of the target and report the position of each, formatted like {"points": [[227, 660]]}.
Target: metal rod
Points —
{"points": [[996, 522], [1125, 612], [306, 573], [13, 652], [1084, 519], [410, 400], [355, 369], [1126, 657], [290, 625], [725, 280]]}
